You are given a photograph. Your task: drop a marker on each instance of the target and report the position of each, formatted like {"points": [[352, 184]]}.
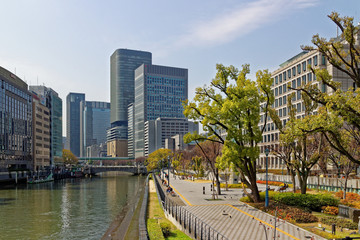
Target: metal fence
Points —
{"points": [[191, 224]]}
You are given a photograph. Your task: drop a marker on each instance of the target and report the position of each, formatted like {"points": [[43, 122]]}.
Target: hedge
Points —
{"points": [[307, 201]]}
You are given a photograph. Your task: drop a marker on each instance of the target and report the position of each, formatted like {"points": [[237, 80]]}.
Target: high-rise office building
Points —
{"points": [[73, 122], [53, 102], [123, 64], [15, 123], [131, 127], [94, 121], [41, 133], [156, 132], [159, 92]]}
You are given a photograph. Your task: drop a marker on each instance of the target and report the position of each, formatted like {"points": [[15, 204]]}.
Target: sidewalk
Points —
{"points": [[232, 218]]}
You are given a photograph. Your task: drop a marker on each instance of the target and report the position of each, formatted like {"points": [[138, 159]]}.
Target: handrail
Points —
{"points": [[191, 223]]}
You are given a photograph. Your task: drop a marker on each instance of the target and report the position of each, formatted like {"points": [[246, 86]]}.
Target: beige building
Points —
{"points": [[293, 72], [117, 148], [41, 134]]}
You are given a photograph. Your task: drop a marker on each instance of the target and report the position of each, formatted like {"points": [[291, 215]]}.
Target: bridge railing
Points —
{"points": [[193, 225]]}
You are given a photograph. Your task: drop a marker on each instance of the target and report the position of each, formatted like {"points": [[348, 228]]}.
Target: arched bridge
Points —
{"points": [[94, 169]]}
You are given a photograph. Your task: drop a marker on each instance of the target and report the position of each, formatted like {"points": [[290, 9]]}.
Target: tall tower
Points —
{"points": [[123, 64], [52, 101], [73, 122], [159, 92]]}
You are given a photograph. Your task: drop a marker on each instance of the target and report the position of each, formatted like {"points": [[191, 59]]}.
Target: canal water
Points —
{"points": [[66, 209]]}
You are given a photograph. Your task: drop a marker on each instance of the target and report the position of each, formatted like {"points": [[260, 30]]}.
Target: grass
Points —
{"points": [[155, 216]]}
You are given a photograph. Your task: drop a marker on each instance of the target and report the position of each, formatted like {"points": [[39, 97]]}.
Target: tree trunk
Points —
{"points": [[345, 187], [216, 174], [303, 181], [293, 181]]}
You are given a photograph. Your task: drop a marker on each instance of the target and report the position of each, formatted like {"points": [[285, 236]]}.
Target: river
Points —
{"points": [[66, 209]]}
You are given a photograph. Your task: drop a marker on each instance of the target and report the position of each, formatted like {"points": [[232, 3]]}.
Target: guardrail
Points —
{"points": [[190, 223]]}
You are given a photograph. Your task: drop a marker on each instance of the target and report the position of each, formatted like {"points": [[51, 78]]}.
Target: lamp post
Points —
{"points": [[267, 190], [168, 171]]}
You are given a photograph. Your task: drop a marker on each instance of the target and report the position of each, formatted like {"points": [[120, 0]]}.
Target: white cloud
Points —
{"points": [[239, 22]]}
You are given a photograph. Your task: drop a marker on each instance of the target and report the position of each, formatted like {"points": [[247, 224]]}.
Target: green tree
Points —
{"points": [[197, 165], [340, 111], [229, 111], [158, 159], [69, 157]]}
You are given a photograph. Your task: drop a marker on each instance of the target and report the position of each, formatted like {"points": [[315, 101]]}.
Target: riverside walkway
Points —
{"points": [[230, 217]]}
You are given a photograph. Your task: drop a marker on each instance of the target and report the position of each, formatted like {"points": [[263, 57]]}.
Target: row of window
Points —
{"points": [[299, 69]]}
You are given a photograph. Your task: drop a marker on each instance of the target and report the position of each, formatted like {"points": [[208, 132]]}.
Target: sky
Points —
{"points": [[66, 44]]}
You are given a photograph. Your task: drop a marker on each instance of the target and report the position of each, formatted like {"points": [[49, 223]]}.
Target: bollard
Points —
{"points": [[211, 186], [203, 190], [333, 229]]}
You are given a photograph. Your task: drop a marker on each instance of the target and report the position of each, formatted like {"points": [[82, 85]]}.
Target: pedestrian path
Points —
{"points": [[230, 217]]}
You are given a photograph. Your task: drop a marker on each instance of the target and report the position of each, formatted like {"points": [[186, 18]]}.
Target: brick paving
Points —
{"points": [[232, 218]]}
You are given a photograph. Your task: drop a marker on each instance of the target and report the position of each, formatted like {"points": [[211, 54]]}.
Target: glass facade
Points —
{"points": [[15, 123], [95, 120], [123, 63], [159, 92], [73, 122]]}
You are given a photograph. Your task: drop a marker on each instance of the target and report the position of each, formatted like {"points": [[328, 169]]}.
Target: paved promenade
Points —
{"points": [[232, 218]]}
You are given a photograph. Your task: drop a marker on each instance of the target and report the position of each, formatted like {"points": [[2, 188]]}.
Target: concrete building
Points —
{"points": [[97, 150], [15, 123], [159, 92], [294, 72], [41, 134], [176, 143], [158, 131], [53, 102], [73, 113], [117, 148], [94, 122]]}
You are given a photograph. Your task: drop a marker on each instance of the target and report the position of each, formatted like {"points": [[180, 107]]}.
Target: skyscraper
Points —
{"points": [[94, 120], [159, 92], [51, 100], [73, 122], [123, 64]]}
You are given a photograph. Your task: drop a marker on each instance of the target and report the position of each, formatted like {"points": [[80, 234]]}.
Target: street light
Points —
{"points": [[168, 171], [267, 190]]}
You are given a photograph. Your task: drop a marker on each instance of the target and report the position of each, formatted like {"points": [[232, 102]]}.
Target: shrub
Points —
{"points": [[262, 197], [339, 222], [331, 210], [307, 201], [292, 214], [352, 199], [165, 228], [235, 185]]}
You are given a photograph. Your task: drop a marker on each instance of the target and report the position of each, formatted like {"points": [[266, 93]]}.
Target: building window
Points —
{"points": [[280, 78], [304, 66], [276, 80], [280, 112], [299, 68], [309, 77], [289, 73], [284, 76], [276, 91], [298, 93], [293, 84], [323, 60], [276, 102], [304, 79], [298, 107], [280, 101], [315, 60], [294, 71], [280, 90], [284, 112], [298, 82], [284, 87], [284, 99]]}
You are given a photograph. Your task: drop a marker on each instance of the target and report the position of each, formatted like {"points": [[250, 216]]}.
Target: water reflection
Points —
{"points": [[68, 209]]}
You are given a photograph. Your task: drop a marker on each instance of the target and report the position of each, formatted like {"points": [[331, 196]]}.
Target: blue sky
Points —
{"points": [[66, 44]]}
